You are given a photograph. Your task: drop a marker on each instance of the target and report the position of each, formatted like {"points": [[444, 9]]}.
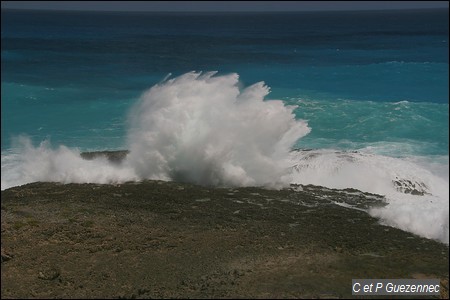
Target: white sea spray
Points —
{"points": [[206, 129], [203, 129], [417, 196]]}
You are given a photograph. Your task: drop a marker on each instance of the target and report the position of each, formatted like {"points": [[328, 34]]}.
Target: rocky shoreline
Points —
{"points": [[158, 239]]}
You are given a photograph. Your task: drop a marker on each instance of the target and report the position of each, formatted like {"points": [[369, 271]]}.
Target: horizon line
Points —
{"points": [[219, 11]]}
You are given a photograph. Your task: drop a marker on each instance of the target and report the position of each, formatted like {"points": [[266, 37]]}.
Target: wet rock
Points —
{"points": [[113, 156]]}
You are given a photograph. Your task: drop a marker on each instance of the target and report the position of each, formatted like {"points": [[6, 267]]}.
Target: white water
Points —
{"points": [[42, 163], [426, 215], [208, 130], [202, 129]]}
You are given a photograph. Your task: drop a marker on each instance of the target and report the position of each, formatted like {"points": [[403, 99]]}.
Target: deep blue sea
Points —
{"points": [[366, 92]]}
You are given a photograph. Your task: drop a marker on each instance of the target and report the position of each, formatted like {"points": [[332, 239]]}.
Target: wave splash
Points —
{"points": [[417, 195], [65, 165], [203, 129], [207, 129], [196, 128]]}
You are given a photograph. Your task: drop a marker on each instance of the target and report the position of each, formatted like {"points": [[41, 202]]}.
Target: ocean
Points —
{"points": [[336, 99]]}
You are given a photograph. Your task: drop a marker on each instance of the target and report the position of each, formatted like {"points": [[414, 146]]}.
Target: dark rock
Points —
{"points": [[113, 156], [152, 242], [48, 274]]}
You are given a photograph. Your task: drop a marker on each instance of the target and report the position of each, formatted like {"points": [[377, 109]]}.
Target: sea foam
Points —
{"points": [[28, 163], [417, 194]]}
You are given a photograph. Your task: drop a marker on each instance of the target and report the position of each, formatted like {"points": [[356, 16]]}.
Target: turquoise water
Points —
{"points": [[71, 77], [393, 128]]}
